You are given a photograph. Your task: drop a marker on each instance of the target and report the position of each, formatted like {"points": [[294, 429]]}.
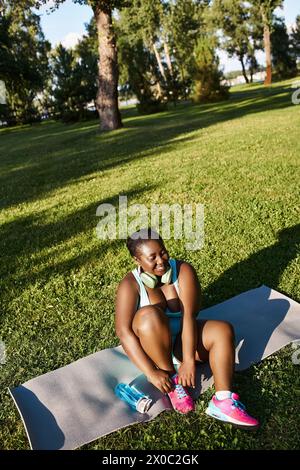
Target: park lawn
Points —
{"points": [[240, 158]]}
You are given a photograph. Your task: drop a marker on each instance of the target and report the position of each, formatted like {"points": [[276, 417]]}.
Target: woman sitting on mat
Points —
{"points": [[156, 308]]}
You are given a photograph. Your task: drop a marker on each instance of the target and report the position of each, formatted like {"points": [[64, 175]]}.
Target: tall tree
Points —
{"points": [[107, 96], [139, 67], [23, 60], [283, 59], [295, 38], [266, 9], [144, 18], [240, 28], [255, 41], [233, 18], [168, 31], [184, 24], [207, 76], [73, 82]]}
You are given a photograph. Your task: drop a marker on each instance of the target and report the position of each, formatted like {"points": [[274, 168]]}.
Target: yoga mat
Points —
{"points": [[74, 405]]}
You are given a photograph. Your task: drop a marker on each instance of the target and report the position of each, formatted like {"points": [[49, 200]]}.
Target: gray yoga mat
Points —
{"points": [[75, 404]]}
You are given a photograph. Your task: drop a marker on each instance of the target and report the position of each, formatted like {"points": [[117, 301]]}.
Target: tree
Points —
{"points": [[184, 24], [73, 82], [107, 96], [23, 61], [295, 38], [240, 31], [283, 60], [233, 18], [266, 8], [208, 78], [167, 31], [87, 65], [139, 68], [255, 41], [139, 27]]}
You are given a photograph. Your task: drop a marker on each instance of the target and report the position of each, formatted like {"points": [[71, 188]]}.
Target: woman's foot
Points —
{"points": [[231, 410], [181, 400]]}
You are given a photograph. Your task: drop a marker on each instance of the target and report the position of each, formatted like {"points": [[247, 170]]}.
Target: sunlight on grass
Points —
{"points": [[240, 158]]}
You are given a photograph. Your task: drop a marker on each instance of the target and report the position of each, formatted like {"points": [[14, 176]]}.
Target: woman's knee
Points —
{"points": [[225, 328], [216, 331], [149, 317]]}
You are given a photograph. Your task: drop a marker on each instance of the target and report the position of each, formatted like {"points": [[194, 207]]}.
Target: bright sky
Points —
{"points": [[66, 25]]}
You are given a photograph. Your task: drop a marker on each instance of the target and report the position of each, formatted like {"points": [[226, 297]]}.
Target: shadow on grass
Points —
{"points": [[50, 156], [29, 235], [264, 267]]}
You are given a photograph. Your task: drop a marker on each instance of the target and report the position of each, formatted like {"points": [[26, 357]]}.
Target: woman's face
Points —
{"points": [[153, 257]]}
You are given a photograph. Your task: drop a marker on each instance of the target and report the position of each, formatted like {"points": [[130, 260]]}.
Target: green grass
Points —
{"points": [[239, 158]]}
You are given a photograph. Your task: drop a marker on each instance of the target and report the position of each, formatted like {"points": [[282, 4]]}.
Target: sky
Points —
{"points": [[66, 25]]}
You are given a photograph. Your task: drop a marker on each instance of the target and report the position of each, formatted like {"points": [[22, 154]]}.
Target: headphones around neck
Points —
{"points": [[150, 280]]}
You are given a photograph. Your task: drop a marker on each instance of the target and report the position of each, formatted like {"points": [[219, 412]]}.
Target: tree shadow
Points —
{"points": [[264, 267], [26, 236], [47, 158]]}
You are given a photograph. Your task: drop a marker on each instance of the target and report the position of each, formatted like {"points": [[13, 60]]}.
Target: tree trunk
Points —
{"points": [[108, 73], [241, 59], [168, 59], [267, 44], [251, 75], [159, 90], [160, 66]]}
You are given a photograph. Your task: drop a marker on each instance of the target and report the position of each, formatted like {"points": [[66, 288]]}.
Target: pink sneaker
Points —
{"points": [[231, 410], [180, 399]]}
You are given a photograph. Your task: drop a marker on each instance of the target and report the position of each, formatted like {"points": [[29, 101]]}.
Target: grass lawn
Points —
{"points": [[239, 158]]}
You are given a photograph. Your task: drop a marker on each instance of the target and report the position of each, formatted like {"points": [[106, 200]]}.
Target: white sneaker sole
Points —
{"points": [[226, 419]]}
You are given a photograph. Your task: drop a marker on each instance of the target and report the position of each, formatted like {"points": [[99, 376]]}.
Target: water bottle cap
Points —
{"points": [[143, 404]]}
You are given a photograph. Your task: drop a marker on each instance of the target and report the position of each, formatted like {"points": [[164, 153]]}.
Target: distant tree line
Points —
{"points": [[158, 51]]}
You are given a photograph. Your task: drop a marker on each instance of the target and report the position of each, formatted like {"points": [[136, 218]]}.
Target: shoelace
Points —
{"points": [[238, 404], [180, 391]]}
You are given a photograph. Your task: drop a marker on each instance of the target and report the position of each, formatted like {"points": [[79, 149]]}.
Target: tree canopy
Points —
{"points": [[158, 51]]}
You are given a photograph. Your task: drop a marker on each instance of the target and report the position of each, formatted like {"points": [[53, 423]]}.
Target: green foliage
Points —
{"points": [[139, 74], [184, 22], [207, 76], [266, 8], [23, 62], [155, 41], [74, 81], [283, 59], [295, 38], [104, 5], [145, 19], [241, 28]]}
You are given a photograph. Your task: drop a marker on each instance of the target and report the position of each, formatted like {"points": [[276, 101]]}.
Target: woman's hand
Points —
{"points": [[161, 380], [187, 373]]}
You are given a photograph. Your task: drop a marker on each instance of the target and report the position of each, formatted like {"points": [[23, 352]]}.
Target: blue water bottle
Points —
{"points": [[133, 397]]}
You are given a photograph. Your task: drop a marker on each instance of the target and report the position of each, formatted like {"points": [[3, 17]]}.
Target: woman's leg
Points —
{"points": [[151, 326], [215, 343], [218, 339]]}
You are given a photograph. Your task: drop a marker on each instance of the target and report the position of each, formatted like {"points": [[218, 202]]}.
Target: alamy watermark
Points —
{"points": [[2, 92], [296, 93], [296, 354], [120, 222], [2, 353]]}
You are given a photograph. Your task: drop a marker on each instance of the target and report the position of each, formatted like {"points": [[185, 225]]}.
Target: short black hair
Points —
{"points": [[136, 239]]}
